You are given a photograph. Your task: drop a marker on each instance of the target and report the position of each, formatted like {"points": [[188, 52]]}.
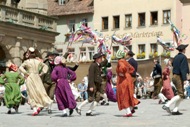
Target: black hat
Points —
{"points": [[109, 66], [56, 53], [97, 55], [66, 55], [130, 53], [49, 54], [181, 47]]}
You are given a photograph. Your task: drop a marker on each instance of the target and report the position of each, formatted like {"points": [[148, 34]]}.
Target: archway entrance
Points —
{"points": [[2, 60]]}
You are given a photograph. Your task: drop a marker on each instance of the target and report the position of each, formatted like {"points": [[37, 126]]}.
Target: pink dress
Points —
{"points": [[167, 88]]}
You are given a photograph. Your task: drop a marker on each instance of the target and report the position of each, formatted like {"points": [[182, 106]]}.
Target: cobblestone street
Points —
{"points": [[149, 114]]}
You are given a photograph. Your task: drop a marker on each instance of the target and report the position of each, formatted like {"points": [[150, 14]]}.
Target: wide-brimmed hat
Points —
{"points": [[97, 55], [182, 47], [31, 49], [130, 53], [109, 67], [49, 54], [59, 60], [120, 54]]}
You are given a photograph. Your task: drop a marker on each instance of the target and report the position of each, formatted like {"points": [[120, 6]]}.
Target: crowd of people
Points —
{"points": [[42, 82]]}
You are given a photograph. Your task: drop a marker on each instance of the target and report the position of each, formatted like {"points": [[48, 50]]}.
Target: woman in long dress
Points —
{"points": [[109, 91], [63, 76], [12, 81], [38, 97], [125, 87], [167, 88]]}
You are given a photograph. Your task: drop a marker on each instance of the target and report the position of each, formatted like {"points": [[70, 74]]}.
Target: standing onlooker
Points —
{"points": [[64, 96], [180, 71], [2, 91], [94, 85], [38, 97], [157, 75], [12, 81], [125, 87], [82, 88]]}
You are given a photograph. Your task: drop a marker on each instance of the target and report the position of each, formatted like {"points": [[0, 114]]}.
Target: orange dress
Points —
{"points": [[125, 87]]}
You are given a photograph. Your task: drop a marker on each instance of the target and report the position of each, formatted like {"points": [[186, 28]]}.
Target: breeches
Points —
{"points": [[177, 81]]}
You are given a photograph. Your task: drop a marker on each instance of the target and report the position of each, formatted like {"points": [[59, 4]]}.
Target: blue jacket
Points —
{"points": [[133, 63], [180, 66]]}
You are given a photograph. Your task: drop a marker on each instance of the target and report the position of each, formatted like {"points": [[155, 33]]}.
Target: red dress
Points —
{"points": [[167, 88], [125, 87]]}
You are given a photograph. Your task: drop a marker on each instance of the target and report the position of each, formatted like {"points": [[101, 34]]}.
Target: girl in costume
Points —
{"points": [[38, 97], [64, 96], [125, 87], [12, 81]]}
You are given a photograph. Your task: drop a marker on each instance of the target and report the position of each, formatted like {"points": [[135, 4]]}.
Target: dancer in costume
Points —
{"points": [[64, 96], [157, 75], [166, 91], [109, 91], [180, 71], [125, 87], [38, 97], [12, 81], [94, 85]]}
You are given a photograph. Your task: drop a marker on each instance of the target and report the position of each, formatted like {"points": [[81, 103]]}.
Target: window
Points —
{"points": [[83, 53], [153, 48], [71, 25], [61, 2], [104, 23], [116, 22], [129, 47], [141, 19], [115, 49], [85, 22], [71, 50], [166, 16], [154, 18], [128, 21], [91, 52], [141, 48]]}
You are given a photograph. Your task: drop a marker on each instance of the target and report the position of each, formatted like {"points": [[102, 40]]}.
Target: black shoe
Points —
{"points": [[70, 112], [107, 104], [9, 112], [103, 102], [64, 115], [177, 113], [49, 111], [166, 108], [135, 107], [89, 114], [78, 111]]}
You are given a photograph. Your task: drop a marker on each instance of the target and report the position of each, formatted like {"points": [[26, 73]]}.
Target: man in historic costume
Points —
{"points": [[133, 63], [12, 81], [103, 94], [94, 85], [157, 75], [125, 86], [64, 96], [38, 97], [46, 78], [180, 71]]}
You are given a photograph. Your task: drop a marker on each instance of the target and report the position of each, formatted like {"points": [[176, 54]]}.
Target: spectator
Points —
{"points": [[2, 91], [82, 88]]}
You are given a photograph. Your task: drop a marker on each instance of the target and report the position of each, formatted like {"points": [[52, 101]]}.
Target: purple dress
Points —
{"points": [[109, 91], [64, 96]]}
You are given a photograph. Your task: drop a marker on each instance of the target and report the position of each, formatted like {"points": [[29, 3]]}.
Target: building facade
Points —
{"points": [[21, 28], [143, 22]]}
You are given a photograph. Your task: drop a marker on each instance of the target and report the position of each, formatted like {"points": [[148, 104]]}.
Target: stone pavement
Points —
{"points": [[149, 114]]}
